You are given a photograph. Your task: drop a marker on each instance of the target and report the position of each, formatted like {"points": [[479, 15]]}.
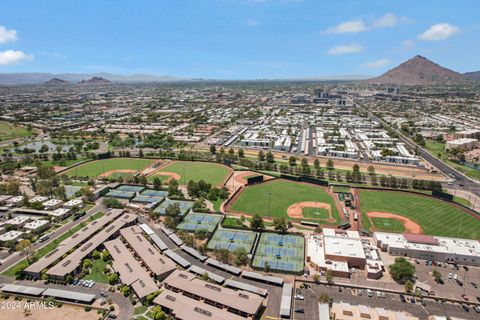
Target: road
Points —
{"points": [[461, 182], [15, 258]]}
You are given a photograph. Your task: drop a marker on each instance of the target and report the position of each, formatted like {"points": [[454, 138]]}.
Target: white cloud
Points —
{"points": [[439, 31], [253, 23], [345, 49], [7, 35], [376, 64], [353, 26], [388, 20], [11, 57]]}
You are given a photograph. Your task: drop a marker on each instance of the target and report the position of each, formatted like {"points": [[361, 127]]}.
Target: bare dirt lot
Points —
{"points": [[15, 310]]}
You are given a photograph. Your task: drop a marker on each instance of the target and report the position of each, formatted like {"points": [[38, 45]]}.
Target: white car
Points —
{"points": [[379, 294], [450, 275], [455, 276], [299, 297], [369, 292]]}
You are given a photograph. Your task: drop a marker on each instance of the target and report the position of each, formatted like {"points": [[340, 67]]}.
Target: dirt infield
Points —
{"points": [[410, 225], [106, 174], [171, 175], [295, 210]]}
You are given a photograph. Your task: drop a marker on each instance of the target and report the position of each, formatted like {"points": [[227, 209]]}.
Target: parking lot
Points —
{"points": [[391, 302]]}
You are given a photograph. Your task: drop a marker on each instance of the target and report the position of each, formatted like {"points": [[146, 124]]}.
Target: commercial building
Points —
{"points": [[74, 203], [52, 204], [442, 249], [36, 225], [10, 236], [339, 251], [465, 144], [73, 262], [130, 270], [243, 303]]}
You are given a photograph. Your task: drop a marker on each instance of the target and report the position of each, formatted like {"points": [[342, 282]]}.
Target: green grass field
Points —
{"points": [[283, 193], [315, 213], [96, 272], [232, 222], [434, 216], [387, 224], [9, 131], [213, 173], [95, 168]]}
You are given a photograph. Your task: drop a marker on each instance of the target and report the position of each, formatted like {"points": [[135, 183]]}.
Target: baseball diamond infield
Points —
{"points": [[409, 225], [297, 210]]}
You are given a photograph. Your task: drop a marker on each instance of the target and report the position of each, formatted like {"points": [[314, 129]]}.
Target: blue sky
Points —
{"points": [[236, 39]]}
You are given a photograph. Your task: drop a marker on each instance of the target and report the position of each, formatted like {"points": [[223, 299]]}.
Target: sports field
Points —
{"points": [[434, 216], [232, 239], [279, 195], [213, 173], [315, 213], [93, 169], [9, 131], [282, 253], [389, 225]]}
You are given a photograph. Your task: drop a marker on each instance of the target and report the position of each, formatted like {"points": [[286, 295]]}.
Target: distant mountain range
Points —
{"points": [[416, 71], [41, 78], [419, 71], [472, 75]]}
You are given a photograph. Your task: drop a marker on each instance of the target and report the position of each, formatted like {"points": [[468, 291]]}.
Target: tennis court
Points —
{"points": [[282, 253], [185, 206], [198, 221], [147, 199], [129, 188], [120, 194], [154, 193], [232, 239]]}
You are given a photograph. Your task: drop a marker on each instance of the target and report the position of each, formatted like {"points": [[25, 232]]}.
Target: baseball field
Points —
{"points": [[274, 198], [110, 166], [213, 173], [399, 211]]}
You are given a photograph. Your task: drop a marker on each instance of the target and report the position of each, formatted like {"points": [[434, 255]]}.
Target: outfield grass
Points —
{"points": [[434, 216], [387, 224], [93, 169], [213, 173], [22, 264], [315, 213], [9, 131], [282, 194]]}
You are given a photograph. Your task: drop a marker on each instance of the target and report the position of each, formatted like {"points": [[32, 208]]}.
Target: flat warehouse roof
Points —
{"points": [[19, 289], [159, 242], [73, 241], [147, 229], [155, 261], [69, 295]]}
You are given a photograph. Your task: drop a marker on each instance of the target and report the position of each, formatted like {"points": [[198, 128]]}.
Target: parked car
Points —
{"points": [[384, 295], [360, 292], [299, 297], [379, 294], [474, 285], [112, 316], [450, 275], [465, 308], [477, 309], [103, 294], [369, 292], [464, 297], [455, 276], [402, 297], [299, 310]]}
